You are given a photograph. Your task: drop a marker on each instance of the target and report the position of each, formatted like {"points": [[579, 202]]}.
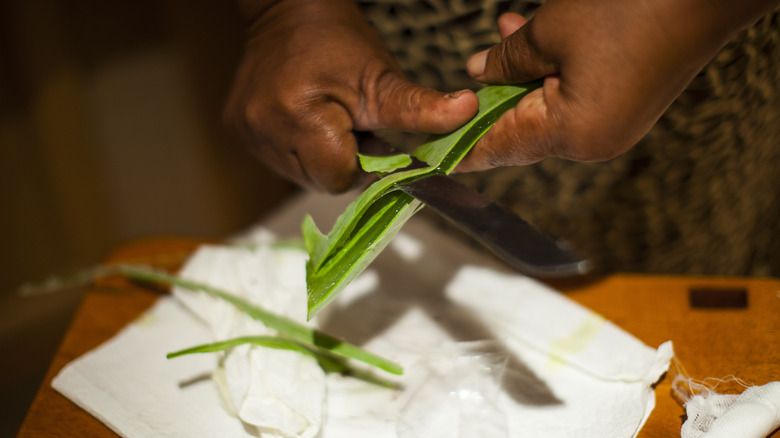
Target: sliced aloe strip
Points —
{"points": [[327, 360], [371, 221], [285, 326], [384, 164]]}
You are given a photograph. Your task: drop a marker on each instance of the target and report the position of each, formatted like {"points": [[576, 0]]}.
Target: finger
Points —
{"points": [[282, 161], [327, 150], [516, 59], [403, 105], [509, 22], [278, 156]]}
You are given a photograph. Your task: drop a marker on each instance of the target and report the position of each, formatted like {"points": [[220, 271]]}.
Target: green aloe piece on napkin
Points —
{"points": [[297, 334], [329, 362], [371, 221]]}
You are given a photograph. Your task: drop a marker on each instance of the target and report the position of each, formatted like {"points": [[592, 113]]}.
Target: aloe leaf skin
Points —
{"points": [[358, 236], [283, 325], [312, 236], [369, 239], [384, 164], [375, 217], [324, 246]]}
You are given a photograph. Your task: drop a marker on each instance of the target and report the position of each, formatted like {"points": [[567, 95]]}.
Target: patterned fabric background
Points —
{"points": [[699, 195]]}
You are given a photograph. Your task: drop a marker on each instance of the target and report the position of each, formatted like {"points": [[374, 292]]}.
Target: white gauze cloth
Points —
{"points": [[754, 413]]}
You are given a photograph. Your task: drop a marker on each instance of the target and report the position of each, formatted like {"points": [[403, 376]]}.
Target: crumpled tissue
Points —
{"points": [[276, 392], [486, 354], [754, 413]]}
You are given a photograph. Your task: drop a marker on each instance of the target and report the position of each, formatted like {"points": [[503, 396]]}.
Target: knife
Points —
{"points": [[506, 234]]}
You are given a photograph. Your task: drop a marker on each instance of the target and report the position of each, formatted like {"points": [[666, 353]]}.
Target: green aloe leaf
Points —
{"points": [[384, 164], [264, 341], [371, 221], [328, 361], [288, 327]]}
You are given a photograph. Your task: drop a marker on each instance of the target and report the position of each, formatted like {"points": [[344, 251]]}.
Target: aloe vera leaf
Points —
{"points": [[322, 246], [382, 222], [327, 360], [375, 217], [264, 341], [384, 164], [59, 283], [283, 325]]}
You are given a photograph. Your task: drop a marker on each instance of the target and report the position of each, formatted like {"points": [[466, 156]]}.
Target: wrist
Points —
{"points": [[741, 14], [253, 10], [721, 19]]}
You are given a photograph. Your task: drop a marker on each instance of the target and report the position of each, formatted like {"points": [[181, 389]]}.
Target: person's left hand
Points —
{"points": [[610, 70]]}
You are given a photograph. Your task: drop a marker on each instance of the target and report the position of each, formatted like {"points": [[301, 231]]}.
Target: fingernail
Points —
{"points": [[476, 64], [455, 95]]}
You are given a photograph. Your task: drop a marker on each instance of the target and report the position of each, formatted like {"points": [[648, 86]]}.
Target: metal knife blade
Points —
{"points": [[507, 235]]}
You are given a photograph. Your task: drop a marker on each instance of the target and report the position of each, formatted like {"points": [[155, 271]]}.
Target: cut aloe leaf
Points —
{"points": [[376, 215], [285, 326], [385, 164]]}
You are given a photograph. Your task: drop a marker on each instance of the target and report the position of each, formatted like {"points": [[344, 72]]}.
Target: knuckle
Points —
{"points": [[411, 106], [511, 58], [254, 115], [339, 184], [331, 164], [338, 179], [516, 54]]}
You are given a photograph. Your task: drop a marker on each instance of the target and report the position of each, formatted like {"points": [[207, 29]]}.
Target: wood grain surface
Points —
{"points": [[720, 327]]}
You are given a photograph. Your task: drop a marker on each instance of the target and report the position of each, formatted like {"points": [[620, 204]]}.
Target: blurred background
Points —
{"points": [[110, 130]]}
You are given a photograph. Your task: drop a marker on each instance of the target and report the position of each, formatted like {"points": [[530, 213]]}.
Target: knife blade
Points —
{"points": [[506, 234]]}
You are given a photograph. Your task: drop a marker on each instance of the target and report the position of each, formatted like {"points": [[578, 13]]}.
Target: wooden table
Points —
{"points": [[719, 326]]}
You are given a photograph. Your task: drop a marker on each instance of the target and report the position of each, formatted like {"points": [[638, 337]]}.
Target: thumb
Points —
{"points": [[509, 22], [516, 59], [405, 106]]}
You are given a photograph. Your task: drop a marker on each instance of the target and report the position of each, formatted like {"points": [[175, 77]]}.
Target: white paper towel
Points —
{"points": [[128, 384], [486, 353]]}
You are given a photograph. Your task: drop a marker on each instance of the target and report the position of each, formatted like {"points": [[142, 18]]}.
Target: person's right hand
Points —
{"points": [[314, 72]]}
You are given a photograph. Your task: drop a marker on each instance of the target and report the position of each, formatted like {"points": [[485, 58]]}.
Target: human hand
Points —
{"points": [[314, 72], [610, 69]]}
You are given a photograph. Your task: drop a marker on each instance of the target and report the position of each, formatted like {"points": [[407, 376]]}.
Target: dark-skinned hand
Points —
{"points": [[314, 72], [610, 68]]}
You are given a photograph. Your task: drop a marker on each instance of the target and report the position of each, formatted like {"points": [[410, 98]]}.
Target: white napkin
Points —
{"points": [[566, 371], [486, 353], [129, 385]]}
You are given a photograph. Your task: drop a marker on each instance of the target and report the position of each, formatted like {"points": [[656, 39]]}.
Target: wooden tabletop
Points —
{"points": [[720, 327]]}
